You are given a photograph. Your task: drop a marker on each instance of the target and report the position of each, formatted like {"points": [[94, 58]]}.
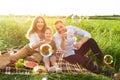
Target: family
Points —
{"points": [[64, 44]]}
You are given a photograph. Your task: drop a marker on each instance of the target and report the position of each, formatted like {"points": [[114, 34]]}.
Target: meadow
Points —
{"points": [[105, 32]]}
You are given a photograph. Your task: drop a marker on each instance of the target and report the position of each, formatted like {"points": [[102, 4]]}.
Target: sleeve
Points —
{"points": [[81, 32], [32, 39]]}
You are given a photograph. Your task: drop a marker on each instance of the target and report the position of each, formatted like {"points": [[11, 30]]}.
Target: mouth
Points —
{"points": [[63, 31]]}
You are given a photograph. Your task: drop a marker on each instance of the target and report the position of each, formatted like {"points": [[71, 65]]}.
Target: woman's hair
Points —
{"points": [[33, 28]]}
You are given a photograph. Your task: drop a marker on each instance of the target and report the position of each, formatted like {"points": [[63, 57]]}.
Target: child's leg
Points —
{"points": [[47, 65], [46, 62], [53, 60]]}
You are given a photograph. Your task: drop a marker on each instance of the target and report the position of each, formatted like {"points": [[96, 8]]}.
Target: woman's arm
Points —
{"points": [[37, 45], [35, 41]]}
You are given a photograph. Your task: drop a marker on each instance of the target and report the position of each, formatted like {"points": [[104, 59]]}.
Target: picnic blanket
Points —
{"points": [[64, 65], [13, 70], [68, 67]]}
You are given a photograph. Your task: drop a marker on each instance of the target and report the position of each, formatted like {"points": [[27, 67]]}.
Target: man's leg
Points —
{"points": [[90, 44], [87, 64]]}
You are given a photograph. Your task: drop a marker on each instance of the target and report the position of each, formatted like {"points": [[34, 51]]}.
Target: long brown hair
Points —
{"points": [[33, 28]]}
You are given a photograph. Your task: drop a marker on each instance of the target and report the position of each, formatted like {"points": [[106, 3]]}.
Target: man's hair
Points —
{"points": [[58, 21]]}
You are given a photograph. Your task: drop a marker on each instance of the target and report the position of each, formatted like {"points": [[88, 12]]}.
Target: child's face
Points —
{"points": [[48, 34]]}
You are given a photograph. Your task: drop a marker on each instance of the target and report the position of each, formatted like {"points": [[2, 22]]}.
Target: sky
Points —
{"points": [[60, 7]]}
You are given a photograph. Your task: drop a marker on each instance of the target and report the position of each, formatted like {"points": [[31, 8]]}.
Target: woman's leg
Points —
{"points": [[22, 53], [4, 60], [35, 57]]}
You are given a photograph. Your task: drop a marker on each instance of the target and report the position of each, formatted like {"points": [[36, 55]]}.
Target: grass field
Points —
{"points": [[105, 32]]}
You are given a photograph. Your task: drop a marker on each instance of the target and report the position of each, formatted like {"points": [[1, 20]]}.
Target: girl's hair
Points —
{"points": [[48, 29], [33, 28]]}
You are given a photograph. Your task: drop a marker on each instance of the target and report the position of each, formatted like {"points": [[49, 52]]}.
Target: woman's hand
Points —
{"points": [[42, 42]]}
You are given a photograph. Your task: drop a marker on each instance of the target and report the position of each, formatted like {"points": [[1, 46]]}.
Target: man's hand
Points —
{"points": [[64, 36], [77, 45]]}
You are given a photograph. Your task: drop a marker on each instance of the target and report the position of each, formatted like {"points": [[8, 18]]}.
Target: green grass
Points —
{"points": [[105, 32], [53, 77]]}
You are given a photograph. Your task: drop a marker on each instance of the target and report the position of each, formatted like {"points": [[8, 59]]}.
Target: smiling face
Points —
{"points": [[40, 24], [60, 27], [48, 34]]}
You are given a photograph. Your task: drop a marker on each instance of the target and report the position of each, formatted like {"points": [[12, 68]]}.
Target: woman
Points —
{"points": [[35, 34]]}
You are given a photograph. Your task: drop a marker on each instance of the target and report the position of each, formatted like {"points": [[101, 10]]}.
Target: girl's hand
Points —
{"points": [[42, 41]]}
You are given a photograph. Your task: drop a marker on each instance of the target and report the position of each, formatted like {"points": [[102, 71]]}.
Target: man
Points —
{"points": [[75, 52]]}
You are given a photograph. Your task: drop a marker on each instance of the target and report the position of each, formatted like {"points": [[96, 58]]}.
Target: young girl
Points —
{"points": [[52, 58]]}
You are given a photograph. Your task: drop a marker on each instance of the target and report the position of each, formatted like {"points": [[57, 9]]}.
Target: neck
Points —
{"points": [[48, 40], [39, 32]]}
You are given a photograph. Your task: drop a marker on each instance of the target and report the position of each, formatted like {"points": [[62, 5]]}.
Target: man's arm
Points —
{"points": [[84, 34], [81, 42]]}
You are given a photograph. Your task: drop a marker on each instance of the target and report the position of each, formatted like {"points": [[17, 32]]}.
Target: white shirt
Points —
{"points": [[34, 38], [72, 32]]}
